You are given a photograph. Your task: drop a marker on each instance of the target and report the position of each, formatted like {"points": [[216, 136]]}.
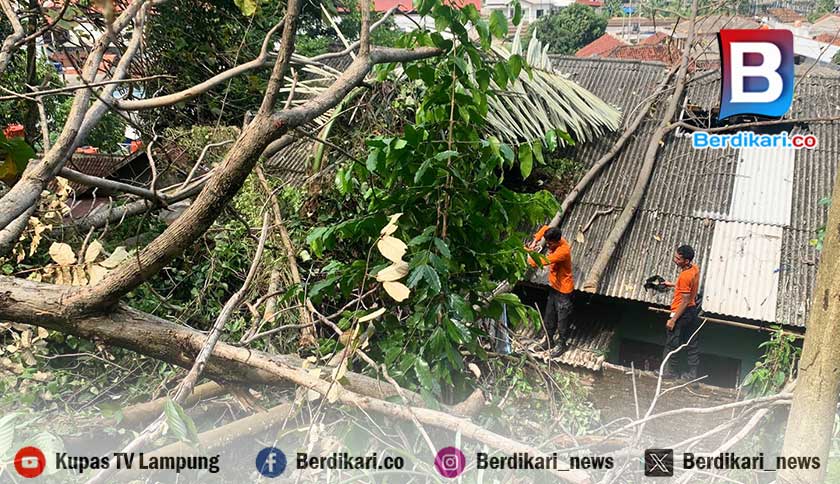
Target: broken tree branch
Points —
{"points": [[228, 178], [43, 305], [307, 336]]}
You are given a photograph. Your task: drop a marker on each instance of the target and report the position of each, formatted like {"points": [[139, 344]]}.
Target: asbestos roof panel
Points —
{"points": [[291, 162], [691, 192], [742, 274], [588, 345]]}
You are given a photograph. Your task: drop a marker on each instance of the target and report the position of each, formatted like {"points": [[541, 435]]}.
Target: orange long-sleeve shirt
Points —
{"points": [[560, 264]]}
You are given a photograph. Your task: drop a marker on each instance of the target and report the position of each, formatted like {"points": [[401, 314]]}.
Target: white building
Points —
{"points": [[531, 10]]}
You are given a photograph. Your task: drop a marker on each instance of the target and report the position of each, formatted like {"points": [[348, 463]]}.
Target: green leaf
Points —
{"points": [[181, 425], [446, 154], [432, 278], [483, 32], [824, 201], [537, 149], [471, 12], [526, 161], [500, 75], [517, 13], [483, 78], [248, 7], [461, 307], [415, 277], [372, 161], [400, 144], [441, 23], [551, 140], [424, 374], [18, 150], [422, 170], [515, 64], [507, 153], [498, 24], [7, 432], [566, 137], [442, 248]]}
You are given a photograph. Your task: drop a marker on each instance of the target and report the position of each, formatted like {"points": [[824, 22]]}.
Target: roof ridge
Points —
{"points": [[601, 59]]}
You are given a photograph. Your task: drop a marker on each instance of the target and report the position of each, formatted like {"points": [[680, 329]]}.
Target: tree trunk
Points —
{"points": [[44, 305], [593, 279], [607, 157], [811, 420], [30, 120]]}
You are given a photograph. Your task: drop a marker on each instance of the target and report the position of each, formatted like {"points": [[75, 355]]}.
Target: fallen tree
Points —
{"points": [[599, 266], [43, 305]]}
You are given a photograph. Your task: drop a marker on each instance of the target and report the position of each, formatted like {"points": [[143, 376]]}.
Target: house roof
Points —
{"points": [[667, 54], [749, 215], [832, 39], [291, 163], [657, 38], [786, 15], [591, 3], [600, 46], [100, 165], [640, 21], [829, 24], [712, 24]]}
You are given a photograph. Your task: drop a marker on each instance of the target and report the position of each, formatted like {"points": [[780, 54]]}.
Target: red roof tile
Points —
{"points": [[591, 3], [655, 39], [828, 39], [786, 15], [600, 46]]}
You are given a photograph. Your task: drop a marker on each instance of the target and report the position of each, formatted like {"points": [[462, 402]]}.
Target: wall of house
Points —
{"points": [[730, 352]]}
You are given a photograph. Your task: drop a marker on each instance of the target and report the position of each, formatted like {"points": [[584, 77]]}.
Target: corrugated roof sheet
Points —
{"points": [[694, 194], [291, 163]]}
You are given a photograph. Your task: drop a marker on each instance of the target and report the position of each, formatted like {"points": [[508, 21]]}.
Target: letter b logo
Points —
{"points": [[757, 72]]}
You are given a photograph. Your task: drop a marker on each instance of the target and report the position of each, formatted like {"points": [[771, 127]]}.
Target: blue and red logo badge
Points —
{"points": [[757, 72]]}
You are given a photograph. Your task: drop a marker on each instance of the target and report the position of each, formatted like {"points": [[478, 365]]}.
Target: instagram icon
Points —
{"points": [[450, 462]]}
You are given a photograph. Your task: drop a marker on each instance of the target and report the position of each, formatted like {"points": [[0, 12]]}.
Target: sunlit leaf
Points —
{"points": [[396, 290]]}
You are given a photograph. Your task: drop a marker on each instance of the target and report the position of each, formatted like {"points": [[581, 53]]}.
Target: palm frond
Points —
{"points": [[545, 100]]}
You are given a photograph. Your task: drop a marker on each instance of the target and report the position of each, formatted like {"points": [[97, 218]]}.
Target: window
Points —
{"points": [[540, 12]]}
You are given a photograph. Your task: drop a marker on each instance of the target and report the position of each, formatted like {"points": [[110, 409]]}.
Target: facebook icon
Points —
{"points": [[271, 462], [757, 72]]}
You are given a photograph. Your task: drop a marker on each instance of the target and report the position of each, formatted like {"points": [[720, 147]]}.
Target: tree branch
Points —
{"points": [[228, 178], [12, 41], [287, 46]]}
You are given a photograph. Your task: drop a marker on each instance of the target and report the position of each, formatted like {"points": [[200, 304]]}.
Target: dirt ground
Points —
{"points": [[611, 391]]}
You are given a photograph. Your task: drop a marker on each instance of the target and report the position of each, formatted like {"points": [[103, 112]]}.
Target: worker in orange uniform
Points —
{"points": [[683, 320], [558, 309]]}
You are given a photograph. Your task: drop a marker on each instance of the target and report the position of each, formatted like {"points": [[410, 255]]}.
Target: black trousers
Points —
{"points": [[684, 327], [558, 312]]}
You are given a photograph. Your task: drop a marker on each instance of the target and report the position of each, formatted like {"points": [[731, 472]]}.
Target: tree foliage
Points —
{"points": [[463, 226], [221, 34], [570, 29]]}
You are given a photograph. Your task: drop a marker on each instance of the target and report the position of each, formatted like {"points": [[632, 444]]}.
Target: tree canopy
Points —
{"points": [[570, 28]]}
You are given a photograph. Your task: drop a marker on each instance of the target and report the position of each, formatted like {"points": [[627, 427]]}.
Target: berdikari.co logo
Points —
{"points": [[757, 79], [757, 72]]}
